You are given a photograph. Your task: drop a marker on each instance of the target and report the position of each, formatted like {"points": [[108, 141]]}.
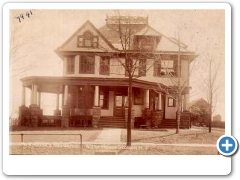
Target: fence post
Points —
{"points": [[22, 142], [80, 143]]}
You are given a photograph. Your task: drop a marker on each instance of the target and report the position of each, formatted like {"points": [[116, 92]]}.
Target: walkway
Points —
{"points": [[109, 136]]}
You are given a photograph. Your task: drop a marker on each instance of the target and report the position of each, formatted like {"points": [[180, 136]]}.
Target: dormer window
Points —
{"points": [[87, 40]]}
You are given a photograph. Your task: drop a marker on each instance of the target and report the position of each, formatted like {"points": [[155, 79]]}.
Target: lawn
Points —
{"points": [[186, 136], [144, 142]]}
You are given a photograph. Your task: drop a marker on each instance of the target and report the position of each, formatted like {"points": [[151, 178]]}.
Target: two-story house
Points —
{"points": [[95, 83]]}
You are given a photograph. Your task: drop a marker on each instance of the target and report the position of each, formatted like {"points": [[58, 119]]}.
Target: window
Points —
{"points": [[142, 67], [138, 96], [86, 64], [87, 40], [104, 65], [165, 67], [147, 43], [171, 102], [70, 65], [103, 99]]}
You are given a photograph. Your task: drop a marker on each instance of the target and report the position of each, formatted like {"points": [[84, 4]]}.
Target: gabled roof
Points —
{"points": [[79, 30], [109, 35], [148, 31], [198, 102]]}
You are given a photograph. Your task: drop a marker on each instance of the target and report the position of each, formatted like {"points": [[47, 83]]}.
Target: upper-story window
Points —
{"points": [[142, 67], [87, 64], [87, 40], [104, 65], [70, 64], [165, 67]]}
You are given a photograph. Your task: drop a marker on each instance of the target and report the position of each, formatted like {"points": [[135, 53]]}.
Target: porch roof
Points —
{"points": [[53, 84]]}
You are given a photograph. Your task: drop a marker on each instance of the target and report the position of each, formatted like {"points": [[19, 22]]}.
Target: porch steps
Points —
{"points": [[111, 122], [168, 124]]}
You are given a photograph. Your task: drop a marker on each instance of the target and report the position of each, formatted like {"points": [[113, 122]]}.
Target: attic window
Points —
{"points": [[87, 40]]}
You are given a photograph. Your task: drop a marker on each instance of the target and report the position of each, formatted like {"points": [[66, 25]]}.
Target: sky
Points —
{"points": [[38, 36]]}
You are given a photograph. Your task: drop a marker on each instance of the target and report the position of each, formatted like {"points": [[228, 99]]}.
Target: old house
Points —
{"points": [[94, 85]]}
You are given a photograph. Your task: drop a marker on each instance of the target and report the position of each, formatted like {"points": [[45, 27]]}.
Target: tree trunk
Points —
{"points": [[129, 111], [210, 116], [178, 117]]}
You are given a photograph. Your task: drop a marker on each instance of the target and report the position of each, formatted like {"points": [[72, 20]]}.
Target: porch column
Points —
{"points": [[23, 96], [159, 101], [65, 102], [57, 102], [65, 109], [31, 99], [57, 111], [39, 99], [34, 109], [96, 96], [186, 102], [34, 94], [147, 99], [96, 108]]}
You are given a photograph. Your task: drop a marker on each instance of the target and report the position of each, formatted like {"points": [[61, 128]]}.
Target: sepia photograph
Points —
{"points": [[116, 81]]}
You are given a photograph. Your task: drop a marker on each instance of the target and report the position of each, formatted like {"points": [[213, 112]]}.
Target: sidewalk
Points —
{"points": [[108, 136]]}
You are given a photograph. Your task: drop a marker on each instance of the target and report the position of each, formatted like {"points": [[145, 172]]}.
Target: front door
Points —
{"points": [[119, 105]]}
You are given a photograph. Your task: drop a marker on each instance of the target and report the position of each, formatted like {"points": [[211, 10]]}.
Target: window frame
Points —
{"points": [[104, 69], [70, 65], [142, 70], [83, 69], [138, 96], [159, 70], [173, 104], [105, 99], [94, 40]]}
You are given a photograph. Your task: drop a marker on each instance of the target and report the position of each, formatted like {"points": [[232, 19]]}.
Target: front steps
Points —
{"points": [[168, 124], [111, 122]]}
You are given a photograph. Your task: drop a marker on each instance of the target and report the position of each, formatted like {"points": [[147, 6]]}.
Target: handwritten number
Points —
{"points": [[19, 19], [28, 14], [21, 16]]}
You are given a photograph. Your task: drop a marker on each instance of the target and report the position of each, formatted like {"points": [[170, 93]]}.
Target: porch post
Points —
{"points": [[96, 96], [34, 109], [57, 111], [35, 94], [39, 99], [147, 99], [65, 109], [31, 100], [159, 101], [65, 102], [23, 96], [186, 102], [146, 112], [96, 108], [57, 103]]}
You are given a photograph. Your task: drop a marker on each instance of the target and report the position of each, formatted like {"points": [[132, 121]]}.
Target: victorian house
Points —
{"points": [[94, 85]]}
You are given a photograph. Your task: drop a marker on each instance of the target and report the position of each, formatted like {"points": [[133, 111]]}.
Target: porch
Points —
{"points": [[88, 101]]}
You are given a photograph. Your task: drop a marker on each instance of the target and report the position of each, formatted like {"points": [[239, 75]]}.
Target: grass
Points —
{"points": [[161, 142], [192, 136]]}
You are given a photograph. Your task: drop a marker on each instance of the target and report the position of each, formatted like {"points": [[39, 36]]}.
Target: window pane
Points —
{"points": [[167, 64], [88, 43]]}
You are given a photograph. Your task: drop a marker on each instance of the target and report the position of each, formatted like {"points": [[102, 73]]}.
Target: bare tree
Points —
{"points": [[210, 84], [131, 57], [178, 85]]}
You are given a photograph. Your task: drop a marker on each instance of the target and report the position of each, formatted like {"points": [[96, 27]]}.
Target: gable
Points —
{"points": [[72, 44]]}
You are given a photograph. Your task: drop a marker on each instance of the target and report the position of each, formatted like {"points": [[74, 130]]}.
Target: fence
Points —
{"points": [[22, 138]]}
